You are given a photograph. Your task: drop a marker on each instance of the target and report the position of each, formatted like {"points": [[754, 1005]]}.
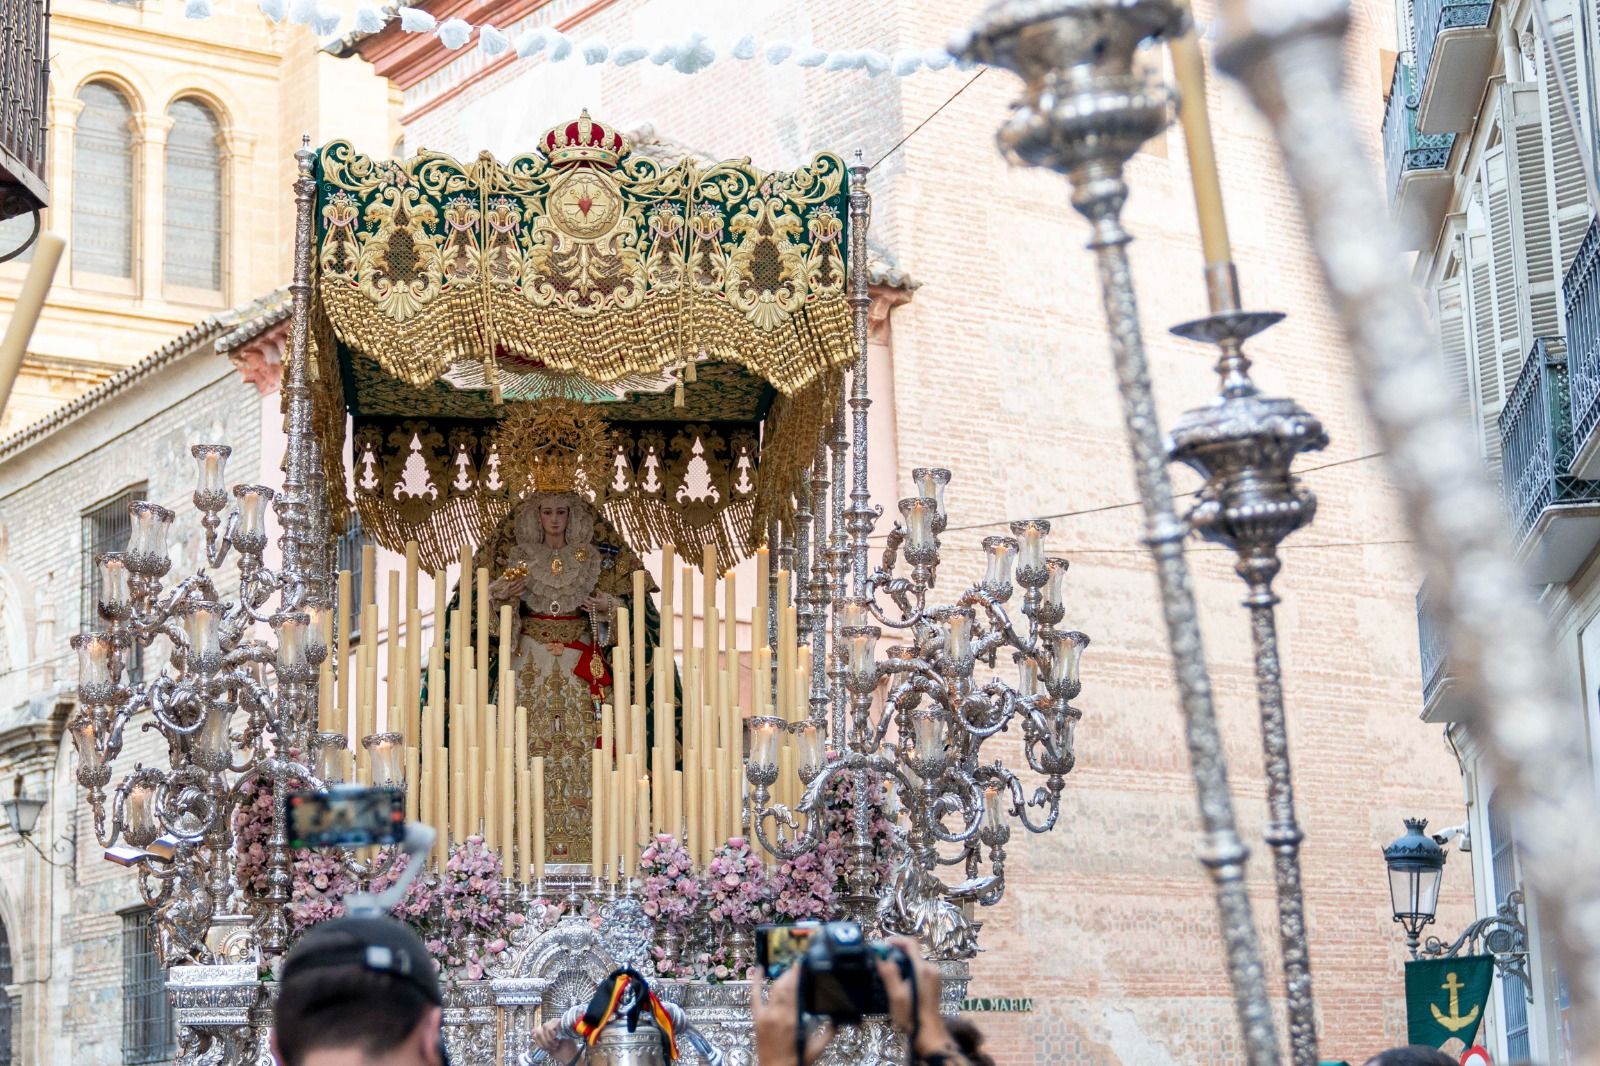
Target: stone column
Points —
{"points": [[150, 185], [237, 151], [28, 749], [58, 219]]}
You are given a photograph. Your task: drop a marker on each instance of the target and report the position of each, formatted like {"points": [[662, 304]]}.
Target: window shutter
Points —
{"points": [[1565, 143], [102, 184], [1483, 344], [1531, 194], [192, 225], [1450, 313]]}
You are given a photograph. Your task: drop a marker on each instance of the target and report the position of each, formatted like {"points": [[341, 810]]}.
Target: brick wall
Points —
{"points": [[1001, 373]]}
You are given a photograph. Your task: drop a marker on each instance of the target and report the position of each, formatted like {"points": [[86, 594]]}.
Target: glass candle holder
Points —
{"points": [[386, 753], [958, 638], [318, 617], [999, 555], [994, 806], [861, 651], [94, 668], [116, 595], [1064, 660], [141, 823], [853, 614], [149, 525], [927, 737], [331, 760], [891, 800], [916, 515], [1054, 597], [250, 528], [213, 747], [211, 485], [1030, 534], [808, 744], [765, 733], [930, 483], [293, 631], [85, 732], [1063, 728], [202, 625], [1027, 673]]}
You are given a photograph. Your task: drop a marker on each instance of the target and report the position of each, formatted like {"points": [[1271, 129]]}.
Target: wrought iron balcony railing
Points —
{"points": [[1580, 292], [24, 82], [1404, 148], [1433, 17], [1537, 444], [1431, 645]]}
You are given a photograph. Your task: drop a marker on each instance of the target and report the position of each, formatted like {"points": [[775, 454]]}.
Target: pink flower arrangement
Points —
{"points": [[737, 885], [469, 910], [802, 887], [714, 965], [670, 887], [839, 827]]}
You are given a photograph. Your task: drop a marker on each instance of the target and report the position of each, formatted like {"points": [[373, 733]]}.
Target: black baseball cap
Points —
{"points": [[382, 945]]}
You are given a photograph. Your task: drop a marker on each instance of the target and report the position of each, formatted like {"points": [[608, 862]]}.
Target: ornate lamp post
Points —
{"points": [[1416, 864]]}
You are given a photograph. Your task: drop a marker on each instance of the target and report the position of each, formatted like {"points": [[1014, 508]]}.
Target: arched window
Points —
{"points": [[6, 1005], [1503, 865], [102, 183], [192, 226]]}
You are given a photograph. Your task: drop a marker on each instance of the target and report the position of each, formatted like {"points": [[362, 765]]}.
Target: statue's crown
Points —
{"points": [[584, 140], [555, 445]]}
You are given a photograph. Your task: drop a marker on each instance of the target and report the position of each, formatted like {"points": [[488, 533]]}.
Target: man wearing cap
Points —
{"points": [[359, 992]]}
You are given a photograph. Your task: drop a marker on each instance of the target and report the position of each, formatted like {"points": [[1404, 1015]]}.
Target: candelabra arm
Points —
{"points": [[217, 548]]}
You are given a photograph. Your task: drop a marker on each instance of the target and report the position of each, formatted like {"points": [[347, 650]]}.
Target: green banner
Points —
{"points": [[1445, 998]]}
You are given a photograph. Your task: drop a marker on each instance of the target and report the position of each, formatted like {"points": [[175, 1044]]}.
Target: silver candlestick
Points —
{"points": [[1290, 56], [1243, 444], [1084, 112]]}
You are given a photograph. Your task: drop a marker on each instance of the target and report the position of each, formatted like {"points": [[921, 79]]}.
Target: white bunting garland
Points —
{"points": [[687, 55]]}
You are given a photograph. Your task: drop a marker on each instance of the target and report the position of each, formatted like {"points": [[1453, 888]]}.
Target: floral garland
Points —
{"points": [[459, 914]]}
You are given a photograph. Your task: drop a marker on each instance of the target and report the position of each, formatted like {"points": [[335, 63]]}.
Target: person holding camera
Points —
{"points": [[786, 1036], [359, 992]]}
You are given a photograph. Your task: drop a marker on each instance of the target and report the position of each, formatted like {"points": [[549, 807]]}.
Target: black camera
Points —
{"points": [[838, 967]]}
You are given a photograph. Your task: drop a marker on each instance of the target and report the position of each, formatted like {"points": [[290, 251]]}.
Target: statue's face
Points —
{"points": [[553, 519]]}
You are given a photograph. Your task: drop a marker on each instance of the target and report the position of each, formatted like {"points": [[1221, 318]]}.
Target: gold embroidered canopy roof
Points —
{"points": [[699, 308]]}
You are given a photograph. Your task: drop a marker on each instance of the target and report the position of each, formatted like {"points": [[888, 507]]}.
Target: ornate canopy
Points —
{"points": [[698, 310]]}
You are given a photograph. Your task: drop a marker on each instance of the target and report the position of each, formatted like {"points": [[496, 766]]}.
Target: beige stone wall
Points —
{"points": [[267, 84], [1000, 372]]}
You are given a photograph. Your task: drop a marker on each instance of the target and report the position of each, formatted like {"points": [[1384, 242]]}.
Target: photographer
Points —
{"points": [[913, 1010], [359, 992]]}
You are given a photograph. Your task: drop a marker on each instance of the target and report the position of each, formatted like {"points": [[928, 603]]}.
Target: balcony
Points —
{"points": [[1417, 164], [1580, 292], [1456, 50], [1555, 517], [1438, 687], [24, 84]]}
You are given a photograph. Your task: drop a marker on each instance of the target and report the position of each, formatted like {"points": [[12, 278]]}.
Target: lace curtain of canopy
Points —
{"points": [[699, 310]]}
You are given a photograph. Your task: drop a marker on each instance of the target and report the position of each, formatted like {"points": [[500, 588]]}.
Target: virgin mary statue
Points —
{"points": [[564, 571]]}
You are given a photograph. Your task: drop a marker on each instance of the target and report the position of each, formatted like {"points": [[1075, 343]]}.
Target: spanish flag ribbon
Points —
{"points": [[608, 997]]}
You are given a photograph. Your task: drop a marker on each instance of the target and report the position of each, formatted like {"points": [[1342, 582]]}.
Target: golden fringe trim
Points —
{"points": [[663, 331], [795, 424]]}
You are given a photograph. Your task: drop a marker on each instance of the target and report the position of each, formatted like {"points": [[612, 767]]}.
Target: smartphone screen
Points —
{"points": [[345, 817], [780, 946]]}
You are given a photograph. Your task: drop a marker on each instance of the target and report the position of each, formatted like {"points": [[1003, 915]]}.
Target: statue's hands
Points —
{"points": [[507, 588], [548, 1037], [599, 603]]}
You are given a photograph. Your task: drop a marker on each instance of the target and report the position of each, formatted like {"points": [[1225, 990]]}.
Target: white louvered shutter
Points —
{"points": [[1450, 314], [1531, 192], [1482, 342], [1501, 357], [1565, 144]]}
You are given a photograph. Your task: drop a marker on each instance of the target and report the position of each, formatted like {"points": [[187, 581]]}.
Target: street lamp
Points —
{"points": [[1416, 864], [22, 812]]}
